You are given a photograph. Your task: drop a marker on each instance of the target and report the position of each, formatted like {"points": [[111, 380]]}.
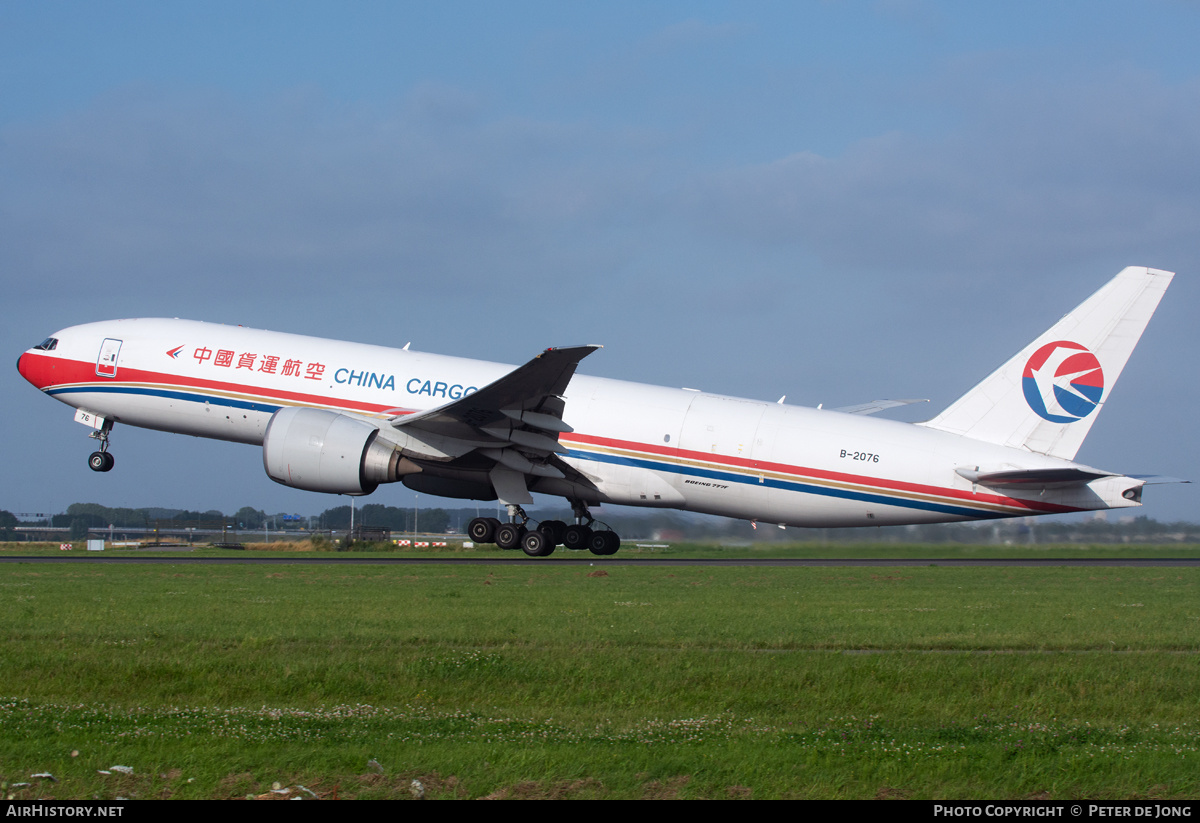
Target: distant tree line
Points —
{"points": [[378, 516], [632, 524], [8, 522]]}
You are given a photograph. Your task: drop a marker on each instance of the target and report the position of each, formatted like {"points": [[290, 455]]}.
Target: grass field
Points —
{"points": [[600, 681], [632, 549]]}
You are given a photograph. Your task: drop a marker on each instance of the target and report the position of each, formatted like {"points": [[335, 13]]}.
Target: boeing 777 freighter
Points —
{"points": [[343, 418]]}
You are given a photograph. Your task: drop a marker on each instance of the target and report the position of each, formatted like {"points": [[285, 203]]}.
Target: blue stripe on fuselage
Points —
{"points": [[653, 465], [192, 397], [788, 485]]}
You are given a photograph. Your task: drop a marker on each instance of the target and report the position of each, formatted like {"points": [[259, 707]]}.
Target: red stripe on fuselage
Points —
{"points": [[47, 372], [784, 468]]}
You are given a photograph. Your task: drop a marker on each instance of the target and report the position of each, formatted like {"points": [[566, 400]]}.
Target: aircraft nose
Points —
{"points": [[31, 370]]}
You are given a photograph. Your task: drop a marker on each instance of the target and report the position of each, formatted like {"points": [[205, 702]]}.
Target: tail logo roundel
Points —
{"points": [[1063, 382]]}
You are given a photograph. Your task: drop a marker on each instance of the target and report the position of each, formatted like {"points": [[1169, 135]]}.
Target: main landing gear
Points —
{"points": [[101, 461], [541, 541]]}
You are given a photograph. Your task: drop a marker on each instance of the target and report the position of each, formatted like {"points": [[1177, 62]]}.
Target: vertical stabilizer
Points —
{"points": [[1046, 398]]}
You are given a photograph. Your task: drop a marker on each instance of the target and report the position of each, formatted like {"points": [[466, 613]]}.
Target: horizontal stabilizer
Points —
{"points": [[1029, 478], [1156, 479]]}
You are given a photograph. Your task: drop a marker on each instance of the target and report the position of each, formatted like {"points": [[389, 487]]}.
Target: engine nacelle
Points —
{"points": [[323, 451]]}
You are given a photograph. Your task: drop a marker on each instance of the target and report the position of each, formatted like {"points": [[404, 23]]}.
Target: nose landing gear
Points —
{"points": [[101, 461]]}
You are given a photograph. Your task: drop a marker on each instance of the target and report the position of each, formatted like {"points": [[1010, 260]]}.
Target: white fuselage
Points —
{"points": [[640, 445]]}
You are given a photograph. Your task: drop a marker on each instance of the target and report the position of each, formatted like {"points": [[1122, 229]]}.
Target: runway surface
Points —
{"points": [[607, 561]]}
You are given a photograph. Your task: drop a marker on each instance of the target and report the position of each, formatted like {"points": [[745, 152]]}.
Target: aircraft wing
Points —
{"points": [[528, 396], [514, 422], [875, 406]]}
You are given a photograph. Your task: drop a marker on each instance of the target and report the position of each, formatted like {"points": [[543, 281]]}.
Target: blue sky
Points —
{"points": [[833, 201]]}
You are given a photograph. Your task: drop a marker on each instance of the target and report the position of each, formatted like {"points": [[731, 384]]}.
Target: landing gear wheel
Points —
{"points": [[577, 537], [509, 535], [100, 461], [604, 543], [483, 529], [537, 544], [553, 529]]}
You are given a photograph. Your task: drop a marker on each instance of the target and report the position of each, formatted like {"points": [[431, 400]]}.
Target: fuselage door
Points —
{"points": [[106, 364]]}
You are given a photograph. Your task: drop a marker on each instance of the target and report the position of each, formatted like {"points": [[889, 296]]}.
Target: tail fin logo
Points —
{"points": [[1063, 382]]}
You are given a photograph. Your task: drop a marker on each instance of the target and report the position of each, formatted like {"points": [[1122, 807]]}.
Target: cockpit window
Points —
{"points": [[49, 344]]}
